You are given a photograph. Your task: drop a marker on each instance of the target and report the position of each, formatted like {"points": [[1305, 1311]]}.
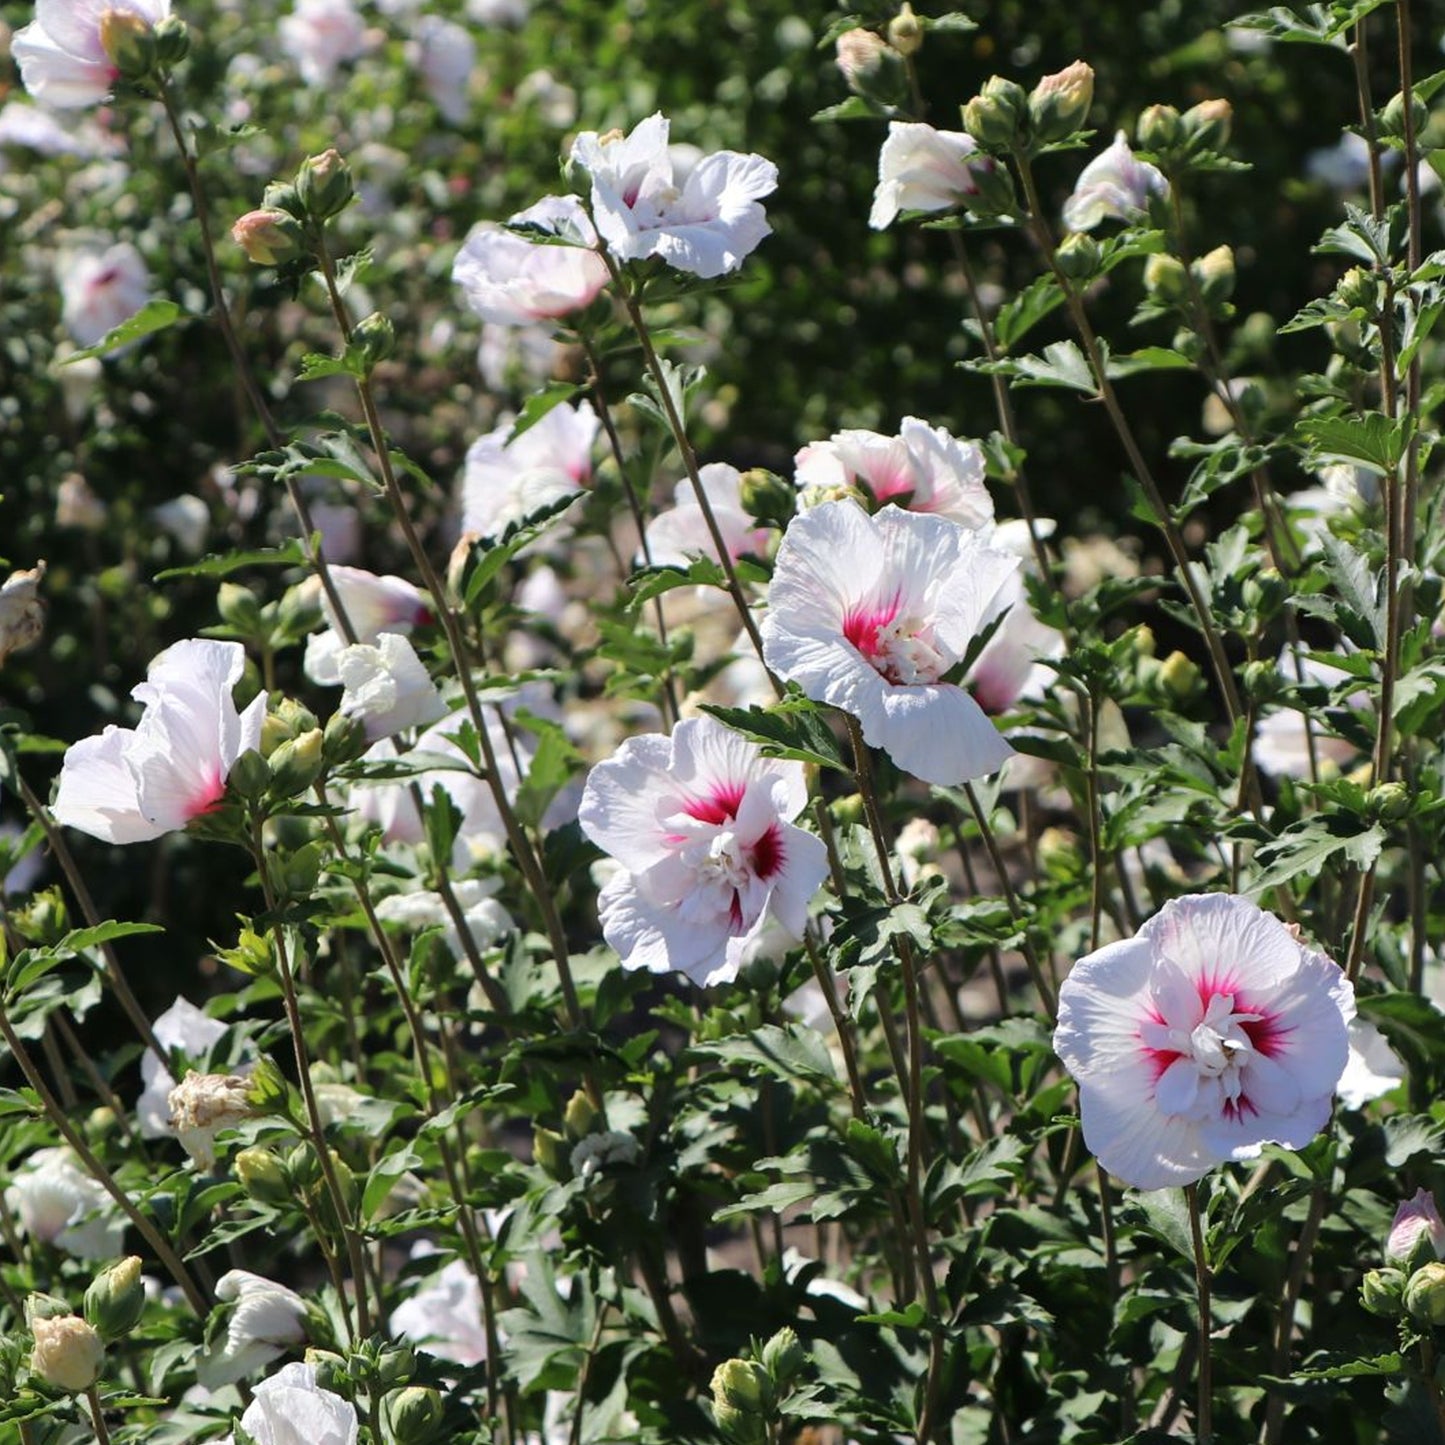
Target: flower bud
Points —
{"points": [[1417, 1233], [1059, 104], [551, 1152], [995, 116], [1214, 273], [128, 42], [1179, 676], [1358, 288], [1160, 129], [1381, 1291], [330, 1368], [375, 337], [580, 1115], [1059, 853], [238, 607], [1207, 124], [173, 41], [343, 740], [116, 1298], [323, 185], [396, 1365], [44, 920], [739, 1393], [1078, 257], [249, 777], [269, 238], [263, 1176], [860, 55], [296, 764], [281, 196], [1262, 681], [994, 194], [768, 498], [1165, 278], [905, 31], [416, 1415], [1392, 118], [68, 1354], [1391, 801], [1425, 1295], [783, 1358]]}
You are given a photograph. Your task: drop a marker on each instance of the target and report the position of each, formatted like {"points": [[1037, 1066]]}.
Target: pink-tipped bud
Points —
{"points": [[1418, 1232], [1059, 103], [269, 238]]}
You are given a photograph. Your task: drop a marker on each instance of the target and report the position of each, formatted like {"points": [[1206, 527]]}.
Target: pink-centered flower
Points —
{"points": [[680, 534], [706, 223], [1115, 186], [132, 784], [922, 169], [513, 280], [62, 53], [99, 290], [872, 614], [506, 480], [701, 825], [1210, 1033], [922, 469]]}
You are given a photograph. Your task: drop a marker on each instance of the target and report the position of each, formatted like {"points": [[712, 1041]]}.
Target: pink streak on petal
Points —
{"points": [[862, 624], [720, 806], [766, 855], [1268, 1035], [210, 790]]}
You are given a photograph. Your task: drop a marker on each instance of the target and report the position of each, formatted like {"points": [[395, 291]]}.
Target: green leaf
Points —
{"points": [[1062, 364], [1149, 358], [154, 316], [315, 366], [1372, 441], [772, 1200], [539, 404], [288, 554], [792, 1051], [789, 729], [1305, 847], [490, 554], [1163, 1213]]}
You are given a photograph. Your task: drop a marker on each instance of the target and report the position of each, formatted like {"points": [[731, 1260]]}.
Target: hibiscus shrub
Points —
{"points": [[680, 881]]}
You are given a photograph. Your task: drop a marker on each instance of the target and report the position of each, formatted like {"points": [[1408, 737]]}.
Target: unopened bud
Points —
{"points": [[995, 116], [343, 740], [1078, 257], [173, 41], [768, 497], [1165, 278], [783, 1358], [1391, 801], [296, 764], [323, 185], [263, 1176], [1059, 104], [905, 31], [1417, 1233], [860, 55], [1207, 125], [375, 338], [116, 1298], [1214, 273], [68, 1354], [1179, 676], [249, 777], [330, 1368], [551, 1151], [239, 608], [1059, 853], [1425, 1295], [993, 193], [1381, 1292], [1358, 289], [44, 920], [396, 1365], [1160, 129], [1392, 118], [580, 1115], [269, 237], [740, 1391], [128, 42], [281, 196], [416, 1414]]}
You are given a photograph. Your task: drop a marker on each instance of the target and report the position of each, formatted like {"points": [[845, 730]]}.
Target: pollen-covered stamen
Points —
{"points": [[900, 647]]}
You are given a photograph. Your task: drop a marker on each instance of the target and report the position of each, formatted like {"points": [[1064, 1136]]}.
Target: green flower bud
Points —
{"points": [[249, 778], [1262, 681], [129, 43], [551, 1151], [1059, 853], [375, 338], [1214, 273], [116, 1299], [1425, 1295], [783, 1358], [296, 764], [396, 1365], [768, 497], [416, 1414], [1392, 118], [1358, 289], [263, 1176], [995, 116], [580, 1117], [269, 237], [301, 870], [1389, 801], [1160, 129], [68, 1354], [995, 195], [1059, 104], [44, 920], [343, 741], [323, 185], [905, 31], [268, 1093], [331, 1371], [861, 56], [740, 1401], [1165, 278], [239, 607], [1381, 1292], [173, 41], [1179, 676], [282, 196], [848, 809], [1078, 257], [1207, 125]]}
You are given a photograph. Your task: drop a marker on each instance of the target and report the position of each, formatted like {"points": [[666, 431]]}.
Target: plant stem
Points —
{"points": [[1204, 1412], [97, 1416]]}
